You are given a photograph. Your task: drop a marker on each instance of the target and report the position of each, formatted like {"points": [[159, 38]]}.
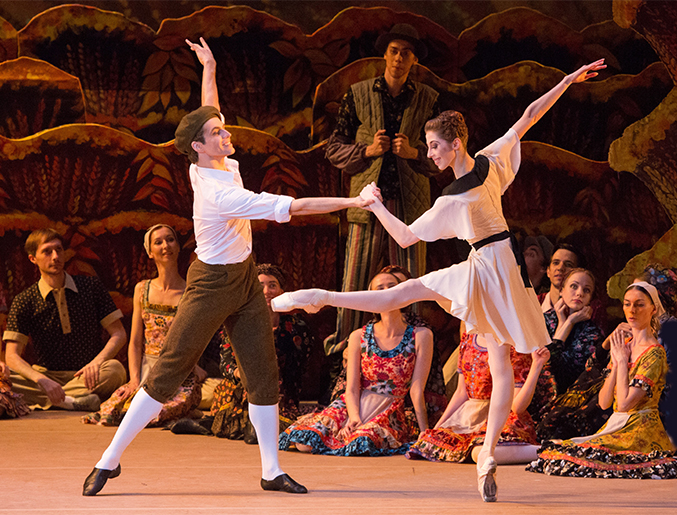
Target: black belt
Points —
{"points": [[515, 250]]}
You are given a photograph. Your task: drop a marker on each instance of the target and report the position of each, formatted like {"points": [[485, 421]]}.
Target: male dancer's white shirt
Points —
{"points": [[222, 208]]}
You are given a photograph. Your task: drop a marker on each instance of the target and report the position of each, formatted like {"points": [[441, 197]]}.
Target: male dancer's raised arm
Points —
{"points": [[210, 93], [210, 97]]}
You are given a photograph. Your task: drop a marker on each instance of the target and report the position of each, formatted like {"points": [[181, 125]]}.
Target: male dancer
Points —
{"points": [[222, 284]]}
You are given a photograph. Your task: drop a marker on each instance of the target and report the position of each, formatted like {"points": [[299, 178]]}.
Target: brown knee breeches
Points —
{"points": [[214, 294]]}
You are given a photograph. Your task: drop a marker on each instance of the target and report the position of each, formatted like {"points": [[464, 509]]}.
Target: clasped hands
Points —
{"points": [[620, 350], [370, 194]]}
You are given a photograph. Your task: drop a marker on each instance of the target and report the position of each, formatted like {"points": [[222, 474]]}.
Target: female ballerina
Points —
{"points": [[487, 290]]}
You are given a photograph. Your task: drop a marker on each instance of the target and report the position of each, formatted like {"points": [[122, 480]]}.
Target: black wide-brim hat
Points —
{"points": [[405, 32]]}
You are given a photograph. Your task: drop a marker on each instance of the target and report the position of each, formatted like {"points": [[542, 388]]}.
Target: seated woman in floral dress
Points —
{"points": [[293, 343], [633, 442], [460, 432], [155, 304], [386, 359], [434, 392]]}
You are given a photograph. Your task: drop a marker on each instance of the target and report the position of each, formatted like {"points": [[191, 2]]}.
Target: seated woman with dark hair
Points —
{"points": [[387, 359], [633, 442], [11, 403], [293, 344], [434, 392], [460, 432], [155, 305]]}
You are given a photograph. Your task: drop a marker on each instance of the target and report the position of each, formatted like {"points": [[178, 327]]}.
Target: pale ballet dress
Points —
{"points": [[486, 291]]}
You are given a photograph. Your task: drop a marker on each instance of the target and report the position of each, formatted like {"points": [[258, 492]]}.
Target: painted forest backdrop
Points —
{"points": [[89, 100]]}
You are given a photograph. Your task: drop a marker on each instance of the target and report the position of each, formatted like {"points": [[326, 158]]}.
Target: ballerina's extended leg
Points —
{"points": [[371, 301]]}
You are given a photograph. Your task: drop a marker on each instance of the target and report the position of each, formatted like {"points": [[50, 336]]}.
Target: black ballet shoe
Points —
{"points": [[97, 480], [283, 483]]}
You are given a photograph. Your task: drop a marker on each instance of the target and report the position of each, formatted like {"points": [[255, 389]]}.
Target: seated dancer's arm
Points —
{"points": [[117, 340], [459, 397], [210, 94], [399, 231], [135, 347], [619, 374], [353, 387], [539, 107], [627, 397], [525, 394], [424, 357]]}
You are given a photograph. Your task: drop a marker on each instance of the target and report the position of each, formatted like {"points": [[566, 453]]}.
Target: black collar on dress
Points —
{"points": [[473, 179]]}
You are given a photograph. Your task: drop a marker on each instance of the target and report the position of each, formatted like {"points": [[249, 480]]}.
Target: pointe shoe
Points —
{"points": [[97, 480], [486, 480], [283, 483], [309, 300]]}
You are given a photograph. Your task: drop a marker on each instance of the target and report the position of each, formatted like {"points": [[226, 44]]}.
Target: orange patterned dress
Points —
{"points": [[468, 422]]}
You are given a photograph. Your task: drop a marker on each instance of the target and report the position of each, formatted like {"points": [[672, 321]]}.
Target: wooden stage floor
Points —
{"points": [[45, 457]]}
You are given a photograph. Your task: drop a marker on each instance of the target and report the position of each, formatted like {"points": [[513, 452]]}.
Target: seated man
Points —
{"points": [[564, 259], [61, 313]]}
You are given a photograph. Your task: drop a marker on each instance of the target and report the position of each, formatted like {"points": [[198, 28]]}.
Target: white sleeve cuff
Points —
{"points": [[283, 208]]}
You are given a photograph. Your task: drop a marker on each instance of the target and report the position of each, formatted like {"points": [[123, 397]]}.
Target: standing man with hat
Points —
{"points": [[378, 138], [222, 285]]}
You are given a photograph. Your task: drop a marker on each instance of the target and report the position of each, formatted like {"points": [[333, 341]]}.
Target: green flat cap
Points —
{"points": [[191, 125]]}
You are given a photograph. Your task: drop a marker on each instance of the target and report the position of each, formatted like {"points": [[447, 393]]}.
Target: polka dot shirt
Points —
{"points": [[90, 309]]}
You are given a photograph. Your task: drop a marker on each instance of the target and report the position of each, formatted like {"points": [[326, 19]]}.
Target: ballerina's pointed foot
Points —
{"points": [[486, 479], [309, 300]]}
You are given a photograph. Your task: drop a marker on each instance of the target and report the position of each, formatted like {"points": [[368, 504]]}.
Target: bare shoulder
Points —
{"points": [[423, 332], [138, 289]]}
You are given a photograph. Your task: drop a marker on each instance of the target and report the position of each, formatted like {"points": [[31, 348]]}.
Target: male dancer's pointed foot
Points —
{"points": [[309, 300], [283, 483], [486, 479], [97, 480]]}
